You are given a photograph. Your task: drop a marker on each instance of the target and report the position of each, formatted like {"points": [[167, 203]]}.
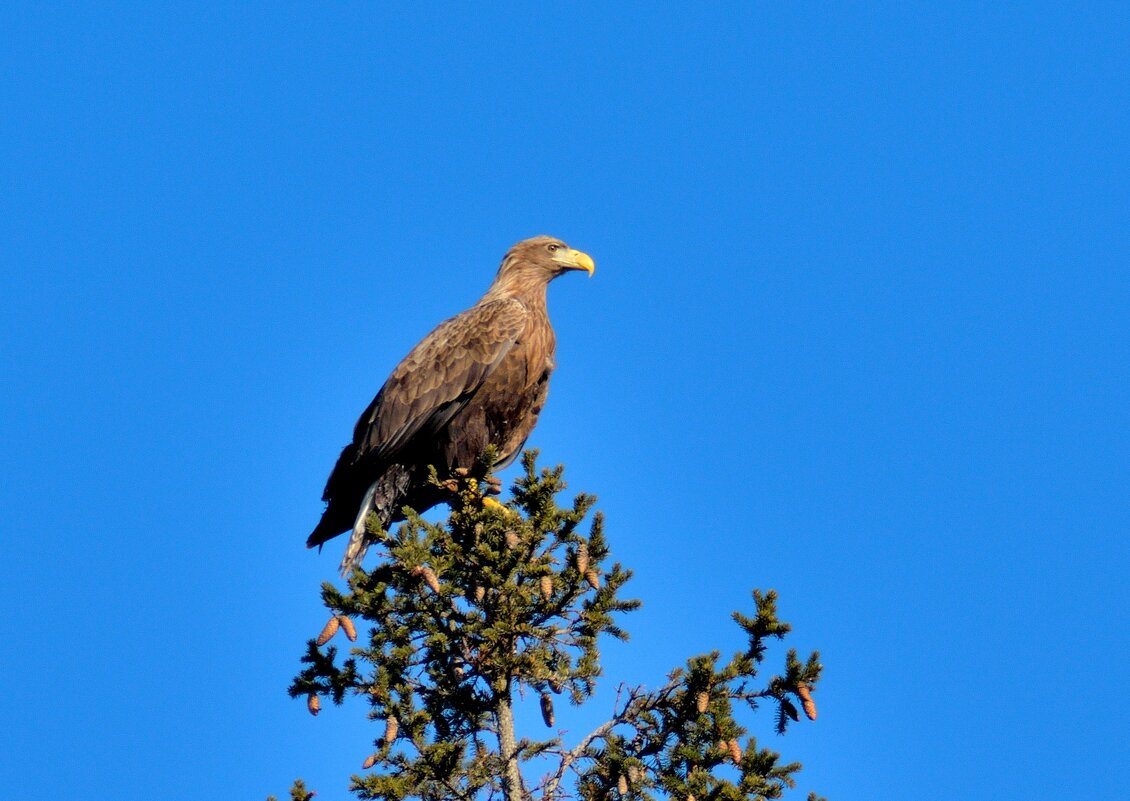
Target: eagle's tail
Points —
{"points": [[359, 537], [385, 497]]}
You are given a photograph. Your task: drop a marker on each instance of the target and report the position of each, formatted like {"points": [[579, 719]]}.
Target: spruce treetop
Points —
{"points": [[464, 614]]}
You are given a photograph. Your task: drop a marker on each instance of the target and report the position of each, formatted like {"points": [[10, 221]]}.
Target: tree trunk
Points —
{"points": [[507, 746]]}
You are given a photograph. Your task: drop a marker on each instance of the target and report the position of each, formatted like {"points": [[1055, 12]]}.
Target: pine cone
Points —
{"points": [[593, 578], [735, 749], [805, 693], [348, 627], [547, 709], [555, 685], [428, 575], [392, 726], [313, 704], [622, 784], [369, 761], [582, 558], [545, 584], [702, 701], [328, 631], [512, 540], [480, 593]]}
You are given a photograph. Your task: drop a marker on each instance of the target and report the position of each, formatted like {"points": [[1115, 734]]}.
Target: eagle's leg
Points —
{"points": [[493, 486]]}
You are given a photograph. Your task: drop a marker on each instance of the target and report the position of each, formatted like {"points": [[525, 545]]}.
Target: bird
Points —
{"points": [[478, 380]]}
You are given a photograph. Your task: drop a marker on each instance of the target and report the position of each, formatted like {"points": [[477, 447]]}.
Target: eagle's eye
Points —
{"points": [[553, 247]]}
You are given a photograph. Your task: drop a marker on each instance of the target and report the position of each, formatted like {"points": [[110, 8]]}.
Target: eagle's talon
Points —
{"points": [[491, 503], [493, 487]]}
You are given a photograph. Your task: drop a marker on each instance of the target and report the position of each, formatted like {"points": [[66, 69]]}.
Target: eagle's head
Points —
{"points": [[544, 257]]}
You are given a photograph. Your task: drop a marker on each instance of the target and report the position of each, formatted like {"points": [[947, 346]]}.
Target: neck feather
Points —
{"points": [[526, 285]]}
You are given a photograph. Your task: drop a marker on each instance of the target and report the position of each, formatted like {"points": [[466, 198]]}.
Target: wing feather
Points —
{"points": [[436, 379]]}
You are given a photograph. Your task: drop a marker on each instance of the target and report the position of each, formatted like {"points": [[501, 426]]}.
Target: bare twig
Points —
{"points": [[638, 701]]}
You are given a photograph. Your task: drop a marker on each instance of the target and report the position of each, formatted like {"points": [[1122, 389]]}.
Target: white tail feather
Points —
{"points": [[359, 538]]}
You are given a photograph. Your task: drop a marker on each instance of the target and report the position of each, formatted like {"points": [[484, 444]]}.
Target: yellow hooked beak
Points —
{"points": [[582, 261]]}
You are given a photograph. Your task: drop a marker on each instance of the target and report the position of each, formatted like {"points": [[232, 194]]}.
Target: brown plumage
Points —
{"points": [[478, 379]]}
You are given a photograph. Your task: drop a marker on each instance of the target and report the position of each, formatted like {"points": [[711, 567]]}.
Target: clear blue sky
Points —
{"points": [[858, 332]]}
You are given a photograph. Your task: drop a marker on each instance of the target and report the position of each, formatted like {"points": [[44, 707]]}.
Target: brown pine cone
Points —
{"points": [[805, 693], [545, 584], [428, 575], [392, 726], [582, 558], [313, 704], [369, 761], [547, 709], [480, 593], [348, 627], [512, 540], [735, 749], [328, 631], [702, 701], [593, 578], [622, 784]]}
